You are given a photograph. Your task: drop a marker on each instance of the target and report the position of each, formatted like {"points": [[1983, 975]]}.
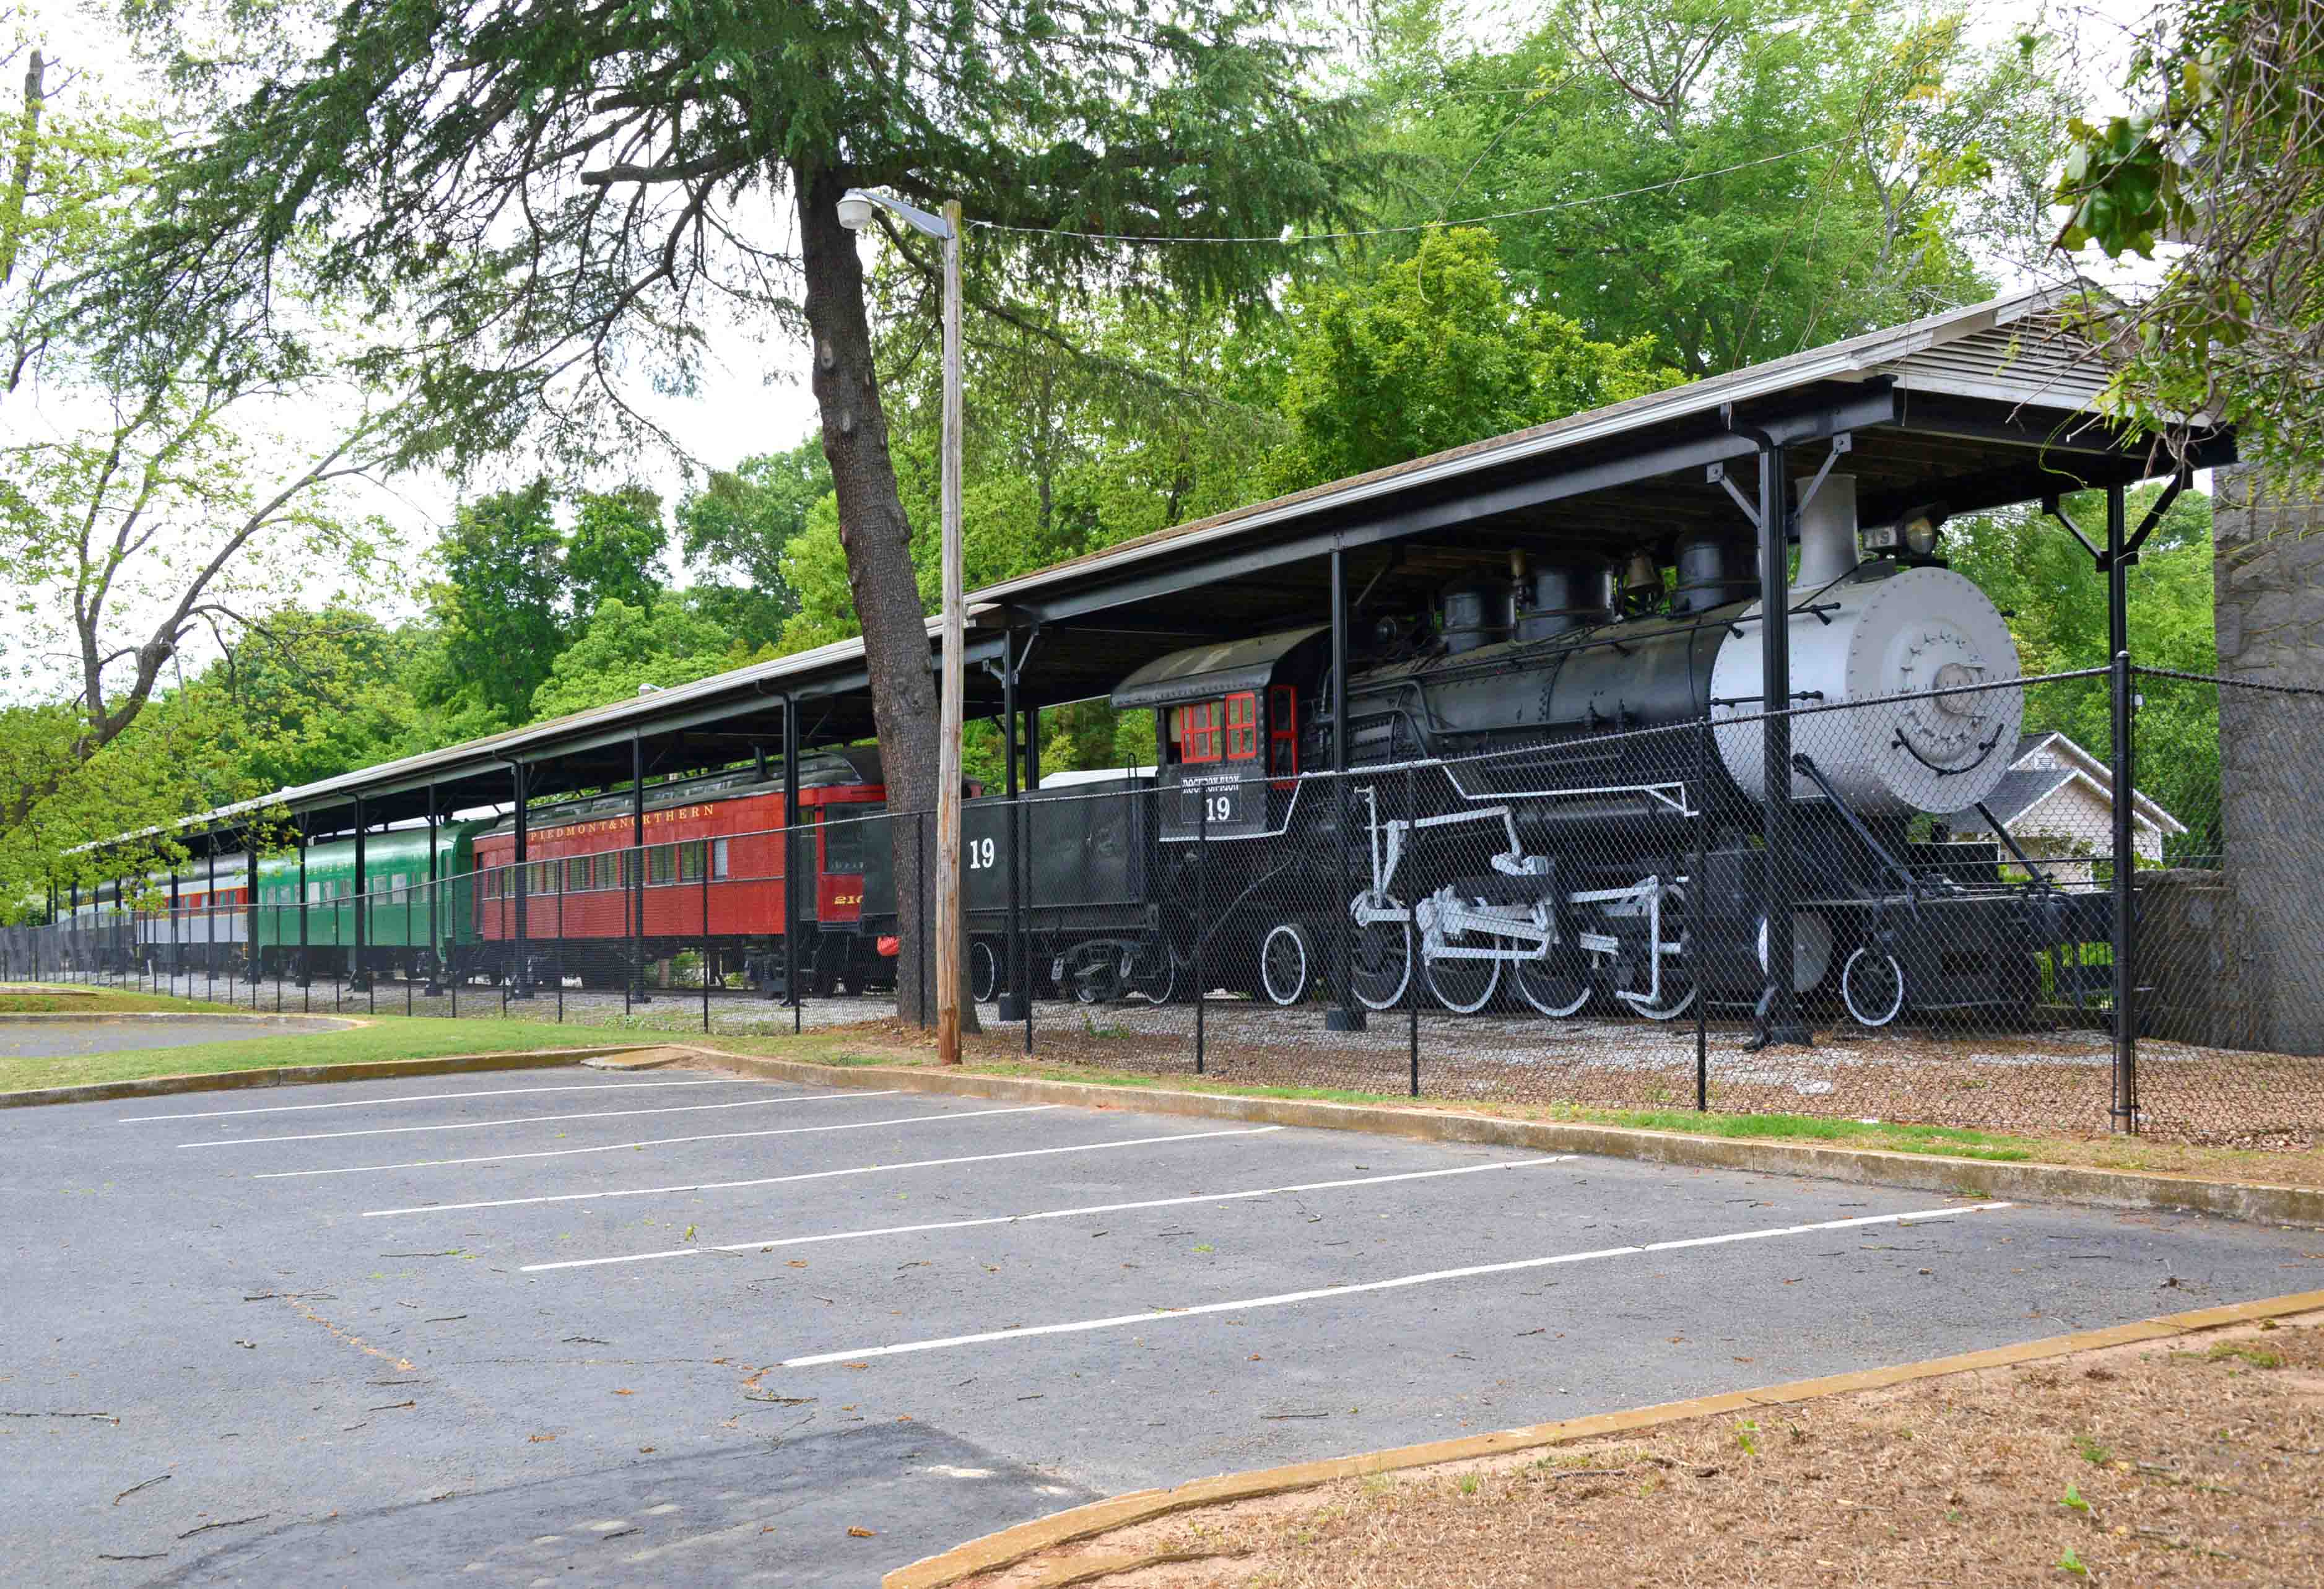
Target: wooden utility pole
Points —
{"points": [[955, 616]]}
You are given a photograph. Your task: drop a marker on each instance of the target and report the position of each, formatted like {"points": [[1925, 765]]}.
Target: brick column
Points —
{"points": [[2269, 593]]}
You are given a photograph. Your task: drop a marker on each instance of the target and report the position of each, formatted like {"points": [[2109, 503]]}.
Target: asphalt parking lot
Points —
{"points": [[579, 1327]]}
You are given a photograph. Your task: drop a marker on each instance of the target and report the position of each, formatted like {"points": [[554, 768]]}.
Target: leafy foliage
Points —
{"points": [[626, 650], [2223, 156], [1735, 179], [502, 604], [1466, 358], [2034, 569]]}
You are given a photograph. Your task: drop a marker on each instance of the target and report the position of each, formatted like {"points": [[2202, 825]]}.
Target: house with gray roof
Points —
{"points": [[2057, 800]]}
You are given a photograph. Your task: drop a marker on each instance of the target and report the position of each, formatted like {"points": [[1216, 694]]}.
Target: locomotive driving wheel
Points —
{"points": [[983, 970], [1463, 984], [1380, 967], [1557, 984]]}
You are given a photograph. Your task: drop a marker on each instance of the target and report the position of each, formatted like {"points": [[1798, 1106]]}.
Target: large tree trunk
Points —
{"points": [[877, 539]]}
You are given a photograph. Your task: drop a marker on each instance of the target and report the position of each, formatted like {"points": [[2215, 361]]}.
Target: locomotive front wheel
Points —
{"points": [[1464, 986], [1557, 986], [1381, 967], [1287, 964], [1872, 985], [983, 971]]}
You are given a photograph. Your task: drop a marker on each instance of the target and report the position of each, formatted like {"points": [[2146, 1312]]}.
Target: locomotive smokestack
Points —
{"points": [[1828, 534]]}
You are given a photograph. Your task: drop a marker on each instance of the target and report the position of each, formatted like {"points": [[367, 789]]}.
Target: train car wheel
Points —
{"points": [[1287, 964], [983, 971], [1557, 986], [1464, 986], [1872, 985], [1382, 963], [1154, 978]]}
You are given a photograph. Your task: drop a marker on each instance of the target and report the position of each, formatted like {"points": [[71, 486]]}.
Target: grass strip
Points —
{"points": [[392, 1037]]}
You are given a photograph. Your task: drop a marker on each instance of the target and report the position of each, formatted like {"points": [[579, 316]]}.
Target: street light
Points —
{"points": [[855, 207]]}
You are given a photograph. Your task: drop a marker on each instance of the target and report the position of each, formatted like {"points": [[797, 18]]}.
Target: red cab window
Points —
{"points": [[1242, 727], [1198, 731], [1283, 732]]}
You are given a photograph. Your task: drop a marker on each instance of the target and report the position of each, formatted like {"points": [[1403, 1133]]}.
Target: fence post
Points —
{"points": [[706, 936], [1201, 924], [2125, 1111], [921, 908], [1698, 886], [564, 876], [1411, 964], [1024, 949]]}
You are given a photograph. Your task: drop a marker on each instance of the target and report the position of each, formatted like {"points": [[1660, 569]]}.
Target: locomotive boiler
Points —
{"points": [[1557, 788]]}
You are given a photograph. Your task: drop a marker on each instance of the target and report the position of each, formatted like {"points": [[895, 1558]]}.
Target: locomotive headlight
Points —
{"points": [[1921, 529]]}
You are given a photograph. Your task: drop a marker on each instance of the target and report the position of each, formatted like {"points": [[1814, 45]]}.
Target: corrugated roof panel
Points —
{"points": [[2036, 359]]}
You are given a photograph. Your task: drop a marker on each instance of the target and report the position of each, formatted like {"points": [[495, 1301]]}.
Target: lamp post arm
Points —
{"points": [[944, 227]]}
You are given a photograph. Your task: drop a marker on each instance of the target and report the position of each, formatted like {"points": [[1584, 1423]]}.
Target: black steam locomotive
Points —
{"points": [[1556, 800]]}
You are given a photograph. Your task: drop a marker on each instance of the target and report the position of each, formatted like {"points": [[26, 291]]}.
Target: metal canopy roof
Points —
{"points": [[1973, 409]]}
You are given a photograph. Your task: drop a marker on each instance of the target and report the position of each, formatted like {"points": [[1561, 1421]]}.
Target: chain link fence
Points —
{"points": [[1978, 933]]}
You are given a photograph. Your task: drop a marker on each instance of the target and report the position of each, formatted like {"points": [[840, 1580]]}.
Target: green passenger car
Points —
{"points": [[409, 927]]}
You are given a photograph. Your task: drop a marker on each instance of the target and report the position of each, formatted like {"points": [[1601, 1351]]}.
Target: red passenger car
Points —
{"points": [[715, 880]]}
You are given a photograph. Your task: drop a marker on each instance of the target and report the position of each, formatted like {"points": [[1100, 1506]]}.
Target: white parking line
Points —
{"points": [[598, 1086], [962, 1225], [1286, 1298], [817, 1175], [391, 1130], [789, 1131]]}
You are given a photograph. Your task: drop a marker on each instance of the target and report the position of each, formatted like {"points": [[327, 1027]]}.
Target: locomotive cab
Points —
{"points": [[1226, 724]]}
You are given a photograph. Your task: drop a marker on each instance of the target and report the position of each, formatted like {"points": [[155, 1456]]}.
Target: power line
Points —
{"points": [[1507, 214]]}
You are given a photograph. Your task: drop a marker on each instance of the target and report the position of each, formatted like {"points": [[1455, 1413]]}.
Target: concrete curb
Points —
{"points": [[292, 1075], [1014, 1545], [1966, 1178]]}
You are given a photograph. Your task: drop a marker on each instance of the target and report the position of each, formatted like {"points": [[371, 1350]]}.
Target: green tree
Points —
{"points": [[1737, 179], [1464, 355], [733, 530], [156, 505], [736, 525], [561, 196], [503, 601], [309, 693], [614, 550], [624, 650]]}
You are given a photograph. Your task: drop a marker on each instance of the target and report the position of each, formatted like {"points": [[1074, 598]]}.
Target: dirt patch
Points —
{"points": [[2194, 1461], [2047, 1081], [2284, 1163]]}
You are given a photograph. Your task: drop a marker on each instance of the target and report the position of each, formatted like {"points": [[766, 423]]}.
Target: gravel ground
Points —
{"points": [[2056, 1081], [2198, 1461]]}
